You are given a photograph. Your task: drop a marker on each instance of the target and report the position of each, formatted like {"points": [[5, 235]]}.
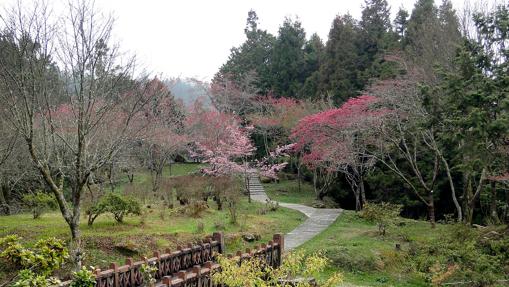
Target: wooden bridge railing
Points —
{"points": [[187, 266]]}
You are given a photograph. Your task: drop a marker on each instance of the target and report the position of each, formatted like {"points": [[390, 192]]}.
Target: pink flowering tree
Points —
{"points": [[220, 141], [164, 133], [337, 140]]}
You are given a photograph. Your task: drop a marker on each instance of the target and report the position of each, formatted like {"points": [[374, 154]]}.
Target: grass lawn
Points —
{"points": [[288, 191], [353, 244], [107, 241], [367, 259]]}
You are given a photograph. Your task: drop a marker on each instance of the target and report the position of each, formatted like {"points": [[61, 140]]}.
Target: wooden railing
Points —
{"points": [[187, 266]]}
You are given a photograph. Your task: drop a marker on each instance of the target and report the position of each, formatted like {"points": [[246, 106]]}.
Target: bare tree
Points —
{"points": [[406, 140], [67, 91]]}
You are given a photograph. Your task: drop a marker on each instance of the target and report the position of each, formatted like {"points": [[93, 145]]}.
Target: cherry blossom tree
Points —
{"points": [[72, 99], [337, 140], [164, 133], [220, 140]]}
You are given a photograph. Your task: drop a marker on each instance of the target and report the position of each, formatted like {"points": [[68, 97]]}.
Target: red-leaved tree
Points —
{"points": [[337, 140]]}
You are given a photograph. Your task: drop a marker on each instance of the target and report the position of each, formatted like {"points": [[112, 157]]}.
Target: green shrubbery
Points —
{"points": [[83, 278], [39, 202], [116, 204], [383, 214], [35, 264], [465, 254], [295, 266]]}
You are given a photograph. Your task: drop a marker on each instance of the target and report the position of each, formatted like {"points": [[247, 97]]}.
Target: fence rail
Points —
{"points": [[188, 266]]}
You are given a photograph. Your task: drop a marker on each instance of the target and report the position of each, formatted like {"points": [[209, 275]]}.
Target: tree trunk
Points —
{"points": [[357, 199], [363, 192], [431, 209], [453, 189], [472, 197], [111, 176], [314, 185], [5, 199], [156, 178], [493, 204], [299, 179]]}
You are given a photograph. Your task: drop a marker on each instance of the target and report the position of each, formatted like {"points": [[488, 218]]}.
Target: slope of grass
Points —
{"points": [[354, 246], [367, 259], [288, 191], [107, 241], [159, 228]]}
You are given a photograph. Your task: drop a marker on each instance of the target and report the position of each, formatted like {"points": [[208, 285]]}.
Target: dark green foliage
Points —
{"points": [[116, 204], [39, 202], [247, 64], [400, 23], [474, 105], [375, 37], [288, 59], [338, 73]]}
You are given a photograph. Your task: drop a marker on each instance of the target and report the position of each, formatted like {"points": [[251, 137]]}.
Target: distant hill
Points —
{"points": [[189, 90]]}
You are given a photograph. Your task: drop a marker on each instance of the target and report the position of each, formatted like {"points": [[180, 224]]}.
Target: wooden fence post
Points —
{"points": [[280, 239], [219, 237], [114, 266]]}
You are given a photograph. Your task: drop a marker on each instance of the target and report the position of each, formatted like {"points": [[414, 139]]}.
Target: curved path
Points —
{"points": [[318, 219]]}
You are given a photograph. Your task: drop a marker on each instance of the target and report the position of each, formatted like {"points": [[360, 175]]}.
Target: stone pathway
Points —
{"points": [[318, 219]]}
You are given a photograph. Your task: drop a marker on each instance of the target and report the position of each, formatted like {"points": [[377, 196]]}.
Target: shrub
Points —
{"points": [[254, 272], [35, 264], [462, 254], [351, 260], [27, 278], [121, 206], [148, 271], [196, 208], [83, 278], [39, 202], [116, 204], [383, 214]]}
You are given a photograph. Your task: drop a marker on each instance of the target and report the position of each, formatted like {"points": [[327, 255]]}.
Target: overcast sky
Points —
{"points": [[193, 38]]}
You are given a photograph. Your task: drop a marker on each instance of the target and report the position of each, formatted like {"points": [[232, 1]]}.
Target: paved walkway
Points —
{"points": [[318, 219]]}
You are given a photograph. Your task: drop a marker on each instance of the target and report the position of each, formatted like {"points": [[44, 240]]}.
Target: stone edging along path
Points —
{"points": [[318, 219]]}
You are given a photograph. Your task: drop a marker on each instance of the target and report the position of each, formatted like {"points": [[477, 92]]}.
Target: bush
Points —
{"points": [[116, 204], [383, 214], [39, 202], [351, 260], [83, 278], [253, 272], [34, 264], [196, 208], [462, 254], [27, 278]]}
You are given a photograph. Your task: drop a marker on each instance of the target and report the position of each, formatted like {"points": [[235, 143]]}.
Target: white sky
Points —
{"points": [[192, 38]]}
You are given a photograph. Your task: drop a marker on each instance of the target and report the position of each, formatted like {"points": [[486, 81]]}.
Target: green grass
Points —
{"points": [[176, 169], [158, 229], [288, 191], [354, 246], [367, 259]]}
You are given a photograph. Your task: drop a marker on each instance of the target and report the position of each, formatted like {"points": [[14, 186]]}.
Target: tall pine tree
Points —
{"points": [[247, 64], [338, 72], [288, 59]]}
